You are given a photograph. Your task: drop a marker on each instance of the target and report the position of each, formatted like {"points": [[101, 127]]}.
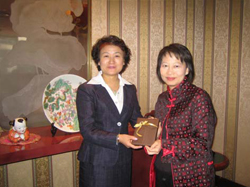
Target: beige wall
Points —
{"points": [[217, 34]]}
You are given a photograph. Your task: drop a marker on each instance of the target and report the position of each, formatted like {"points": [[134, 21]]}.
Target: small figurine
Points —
{"points": [[19, 131]]}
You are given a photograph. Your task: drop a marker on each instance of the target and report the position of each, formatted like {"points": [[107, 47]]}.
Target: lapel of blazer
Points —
{"points": [[105, 98], [126, 99]]}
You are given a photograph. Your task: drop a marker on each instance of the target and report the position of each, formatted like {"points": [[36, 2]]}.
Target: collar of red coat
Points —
{"points": [[174, 93]]}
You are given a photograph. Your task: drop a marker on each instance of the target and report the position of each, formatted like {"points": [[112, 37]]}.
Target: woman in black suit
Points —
{"points": [[105, 106]]}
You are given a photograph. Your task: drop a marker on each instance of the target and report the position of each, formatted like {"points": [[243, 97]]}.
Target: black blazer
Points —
{"points": [[100, 122]]}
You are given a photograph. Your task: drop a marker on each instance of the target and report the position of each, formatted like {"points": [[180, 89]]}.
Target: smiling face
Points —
{"points": [[172, 70], [111, 60]]}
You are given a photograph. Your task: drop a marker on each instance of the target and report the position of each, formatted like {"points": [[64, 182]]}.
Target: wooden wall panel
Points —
{"points": [[114, 13], [208, 46], [62, 170], [233, 87], [169, 22], [130, 36], [156, 43], [42, 172], [198, 52], [220, 70], [180, 21], [20, 174], [3, 176], [190, 24], [243, 127], [143, 54], [99, 24]]}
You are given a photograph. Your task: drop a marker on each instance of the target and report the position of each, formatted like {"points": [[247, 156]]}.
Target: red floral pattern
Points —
{"points": [[189, 119]]}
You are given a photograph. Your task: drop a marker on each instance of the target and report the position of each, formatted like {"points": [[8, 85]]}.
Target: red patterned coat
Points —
{"points": [[189, 119]]}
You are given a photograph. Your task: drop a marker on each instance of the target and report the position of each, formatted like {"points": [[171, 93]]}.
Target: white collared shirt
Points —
{"points": [[119, 96]]}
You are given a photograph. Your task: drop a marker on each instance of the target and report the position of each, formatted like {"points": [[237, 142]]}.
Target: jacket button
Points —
{"points": [[119, 124]]}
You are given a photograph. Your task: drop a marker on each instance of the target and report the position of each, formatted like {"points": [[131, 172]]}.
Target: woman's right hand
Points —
{"points": [[155, 148], [126, 140]]}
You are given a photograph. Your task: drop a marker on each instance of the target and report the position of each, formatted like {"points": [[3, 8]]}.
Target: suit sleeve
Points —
{"points": [[86, 110]]}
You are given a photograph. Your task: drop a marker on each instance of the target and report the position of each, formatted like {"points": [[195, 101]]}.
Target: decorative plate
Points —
{"points": [[59, 102]]}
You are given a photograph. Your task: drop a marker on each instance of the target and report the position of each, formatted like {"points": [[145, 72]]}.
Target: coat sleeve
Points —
{"points": [[86, 112], [198, 144]]}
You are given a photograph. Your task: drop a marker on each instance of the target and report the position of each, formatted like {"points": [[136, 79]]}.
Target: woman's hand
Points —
{"points": [[155, 148], [126, 140]]}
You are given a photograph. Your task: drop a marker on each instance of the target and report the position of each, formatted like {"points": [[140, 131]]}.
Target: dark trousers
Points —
{"points": [[163, 179], [104, 176]]}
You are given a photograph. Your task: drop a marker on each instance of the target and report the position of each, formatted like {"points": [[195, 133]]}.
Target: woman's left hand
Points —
{"points": [[155, 148]]}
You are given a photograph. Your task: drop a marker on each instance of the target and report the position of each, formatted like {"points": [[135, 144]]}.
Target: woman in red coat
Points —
{"points": [[183, 155]]}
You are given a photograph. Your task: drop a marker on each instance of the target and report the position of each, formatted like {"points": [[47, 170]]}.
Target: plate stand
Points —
{"points": [[53, 130]]}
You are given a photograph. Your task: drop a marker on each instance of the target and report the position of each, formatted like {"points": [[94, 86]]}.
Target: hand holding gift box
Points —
{"points": [[146, 131]]}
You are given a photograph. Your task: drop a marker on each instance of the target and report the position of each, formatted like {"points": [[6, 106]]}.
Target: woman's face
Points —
{"points": [[172, 70], [111, 60]]}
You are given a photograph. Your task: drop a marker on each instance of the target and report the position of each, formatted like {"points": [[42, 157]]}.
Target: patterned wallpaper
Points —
{"points": [[217, 34]]}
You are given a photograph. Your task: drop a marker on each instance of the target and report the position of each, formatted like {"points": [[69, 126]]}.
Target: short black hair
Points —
{"points": [[180, 52], [111, 40]]}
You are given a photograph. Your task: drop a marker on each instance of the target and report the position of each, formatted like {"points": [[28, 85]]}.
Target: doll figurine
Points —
{"points": [[19, 131]]}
